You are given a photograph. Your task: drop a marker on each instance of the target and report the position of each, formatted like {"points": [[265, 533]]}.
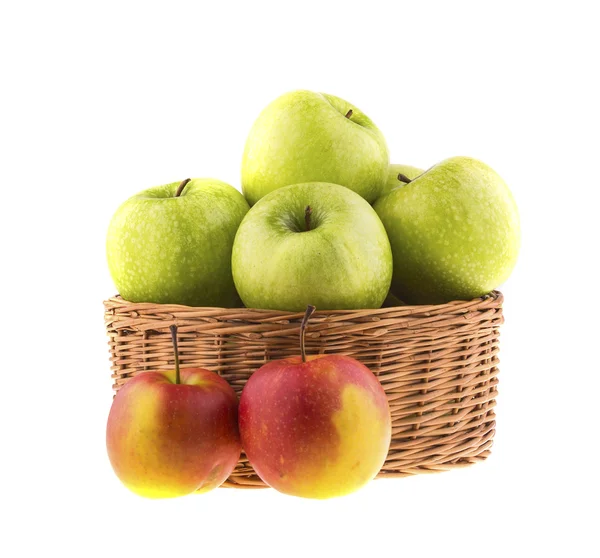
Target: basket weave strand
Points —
{"points": [[437, 365]]}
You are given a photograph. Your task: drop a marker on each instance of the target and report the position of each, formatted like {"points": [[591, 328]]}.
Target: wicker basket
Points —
{"points": [[437, 365]]}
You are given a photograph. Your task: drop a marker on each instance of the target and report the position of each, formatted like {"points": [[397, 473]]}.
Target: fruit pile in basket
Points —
{"points": [[325, 221]]}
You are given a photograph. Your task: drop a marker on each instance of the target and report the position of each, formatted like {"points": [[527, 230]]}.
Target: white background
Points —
{"points": [[101, 100]]}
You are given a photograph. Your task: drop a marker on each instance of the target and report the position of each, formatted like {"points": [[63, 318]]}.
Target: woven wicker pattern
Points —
{"points": [[437, 364]]}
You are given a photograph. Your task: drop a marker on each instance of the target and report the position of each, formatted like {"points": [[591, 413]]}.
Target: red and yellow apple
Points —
{"points": [[171, 434], [317, 426]]}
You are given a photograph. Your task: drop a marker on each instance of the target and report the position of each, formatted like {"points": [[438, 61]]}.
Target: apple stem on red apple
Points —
{"points": [[173, 329], [404, 178], [307, 214], [309, 312], [181, 187], [349, 113]]}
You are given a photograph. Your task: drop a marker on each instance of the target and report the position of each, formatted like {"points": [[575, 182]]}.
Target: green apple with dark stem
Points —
{"points": [[454, 232], [313, 243], [313, 137], [172, 244], [400, 175]]}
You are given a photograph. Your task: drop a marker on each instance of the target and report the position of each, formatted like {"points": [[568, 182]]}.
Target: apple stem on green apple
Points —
{"points": [[349, 113], [404, 178], [173, 329], [309, 312], [307, 214], [181, 187]]}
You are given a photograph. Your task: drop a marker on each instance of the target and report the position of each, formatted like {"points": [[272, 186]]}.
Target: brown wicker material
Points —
{"points": [[437, 364]]}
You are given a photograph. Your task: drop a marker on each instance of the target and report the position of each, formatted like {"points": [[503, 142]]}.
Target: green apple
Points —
{"points": [[314, 243], [172, 243], [313, 137], [400, 175], [454, 232]]}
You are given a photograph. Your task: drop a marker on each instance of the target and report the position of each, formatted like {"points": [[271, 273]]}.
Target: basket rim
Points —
{"points": [[494, 297]]}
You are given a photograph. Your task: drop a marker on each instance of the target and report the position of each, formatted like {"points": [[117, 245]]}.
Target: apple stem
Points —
{"points": [[307, 214], [349, 113], [404, 178], [309, 312], [173, 329], [181, 187]]}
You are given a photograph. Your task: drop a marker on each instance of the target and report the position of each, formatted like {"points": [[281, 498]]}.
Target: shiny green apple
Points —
{"points": [[172, 244], [313, 137], [454, 232], [314, 243]]}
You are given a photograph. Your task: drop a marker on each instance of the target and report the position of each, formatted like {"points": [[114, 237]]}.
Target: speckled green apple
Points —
{"points": [[454, 232], [313, 137], [400, 175], [172, 244], [336, 255]]}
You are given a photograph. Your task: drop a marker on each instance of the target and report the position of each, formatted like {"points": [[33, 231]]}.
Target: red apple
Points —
{"points": [[171, 433], [316, 427]]}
